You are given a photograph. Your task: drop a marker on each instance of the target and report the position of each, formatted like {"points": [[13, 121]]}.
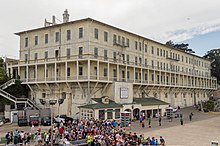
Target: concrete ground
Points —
{"points": [[203, 128]]}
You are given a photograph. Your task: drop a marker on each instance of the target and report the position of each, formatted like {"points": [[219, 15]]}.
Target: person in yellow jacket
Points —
{"points": [[89, 139]]}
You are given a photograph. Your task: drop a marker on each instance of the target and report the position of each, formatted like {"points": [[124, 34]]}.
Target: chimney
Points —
{"points": [[65, 16], [53, 20]]}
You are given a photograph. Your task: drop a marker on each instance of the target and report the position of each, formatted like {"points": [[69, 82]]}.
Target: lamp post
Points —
{"points": [[51, 102]]}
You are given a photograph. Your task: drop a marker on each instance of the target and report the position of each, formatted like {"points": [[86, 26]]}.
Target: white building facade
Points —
{"points": [[84, 59]]}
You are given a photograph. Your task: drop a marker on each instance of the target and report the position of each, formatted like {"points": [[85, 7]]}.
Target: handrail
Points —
{"points": [[8, 83], [10, 97], [15, 99]]}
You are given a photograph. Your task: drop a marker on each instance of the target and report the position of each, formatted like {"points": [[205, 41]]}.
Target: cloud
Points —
{"points": [[180, 35]]}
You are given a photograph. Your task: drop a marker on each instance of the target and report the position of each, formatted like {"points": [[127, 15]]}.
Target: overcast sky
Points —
{"points": [[194, 21]]}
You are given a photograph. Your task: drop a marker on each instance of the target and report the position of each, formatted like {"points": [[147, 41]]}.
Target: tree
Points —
{"points": [[181, 46], [3, 74], [214, 56]]}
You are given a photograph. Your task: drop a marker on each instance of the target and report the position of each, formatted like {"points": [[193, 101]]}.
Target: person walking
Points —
{"points": [[181, 121], [159, 120], [190, 117], [143, 123], [149, 122]]}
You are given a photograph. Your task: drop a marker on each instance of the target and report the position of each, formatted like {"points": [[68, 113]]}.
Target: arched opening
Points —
{"points": [[136, 113]]}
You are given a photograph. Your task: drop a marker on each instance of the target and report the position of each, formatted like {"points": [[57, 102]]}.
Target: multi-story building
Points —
{"points": [[85, 59]]}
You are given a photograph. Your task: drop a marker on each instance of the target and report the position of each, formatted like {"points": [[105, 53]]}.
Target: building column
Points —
{"points": [[118, 72], [126, 73], [108, 71], [66, 70], [55, 71], [105, 115], [88, 72], [97, 70], [134, 75], [77, 70], [36, 73], [148, 75], [27, 73]]}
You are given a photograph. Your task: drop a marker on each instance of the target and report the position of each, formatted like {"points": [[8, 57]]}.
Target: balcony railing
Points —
{"points": [[112, 79]]}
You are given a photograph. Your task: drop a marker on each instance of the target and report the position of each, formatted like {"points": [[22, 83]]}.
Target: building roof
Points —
{"points": [[149, 101], [100, 105], [143, 101], [93, 20]]}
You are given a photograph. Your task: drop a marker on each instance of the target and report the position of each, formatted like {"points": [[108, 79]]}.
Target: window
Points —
{"points": [[80, 32], [96, 33], [68, 72], [140, 60], [152, 77], [80, 70], [152, 50], [136, 45], [68, 34], [128, 60], [158, 52], [35, 56], [46, 38], [114, 39], [152, 64], [57, 39], [105, 54], [145, 48], [145, 77], [36, 40], [135, 60], [45, 55], [123, 58], [136, 75], [96, 52], [119, 39], [127, 42], [161, 52], [114, 56], [102, 114], [114, 73], [26, 42], [80, 52], [26, 57], [56, 53], [105, 36], [123, 41], [145, 62], [139, 46], [128, 74], [105, 72], [117, 113], [43, 95], [68, 53], [164, 53]]}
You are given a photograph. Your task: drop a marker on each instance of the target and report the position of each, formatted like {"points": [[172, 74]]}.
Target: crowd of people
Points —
{"points": [[93, 132]]}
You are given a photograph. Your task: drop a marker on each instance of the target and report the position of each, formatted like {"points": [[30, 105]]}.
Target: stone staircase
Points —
{"points": [[14, 99]]}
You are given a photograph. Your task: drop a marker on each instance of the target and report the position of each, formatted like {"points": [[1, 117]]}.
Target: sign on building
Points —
{"points": [[123, 92]]}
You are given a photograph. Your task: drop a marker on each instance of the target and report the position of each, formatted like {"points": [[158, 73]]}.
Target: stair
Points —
{"points": [[18, 100], [7, 84]]}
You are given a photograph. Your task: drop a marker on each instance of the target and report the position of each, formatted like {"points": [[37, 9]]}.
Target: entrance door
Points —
{"points": [[15, 118]]}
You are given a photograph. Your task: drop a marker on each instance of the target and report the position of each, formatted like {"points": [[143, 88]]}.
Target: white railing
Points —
{"points": [[8, 83], [17, 100]]}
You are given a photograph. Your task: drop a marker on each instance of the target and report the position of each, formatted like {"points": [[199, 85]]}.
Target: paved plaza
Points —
{"points": [[204, 128]]}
